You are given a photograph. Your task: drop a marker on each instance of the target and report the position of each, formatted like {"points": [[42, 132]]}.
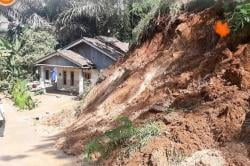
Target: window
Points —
{"points": [[72, 78], [64, 77], [46, 74], [87, 75]]}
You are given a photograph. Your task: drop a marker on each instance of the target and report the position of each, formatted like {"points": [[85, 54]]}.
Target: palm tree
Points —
{"points": [[92, 17], [26, 12]]}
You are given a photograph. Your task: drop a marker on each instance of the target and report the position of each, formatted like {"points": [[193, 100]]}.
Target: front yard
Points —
{"points": [[28, 138]]}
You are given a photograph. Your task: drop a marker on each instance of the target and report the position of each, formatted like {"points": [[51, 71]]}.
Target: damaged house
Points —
{"points": [[68, 67]]}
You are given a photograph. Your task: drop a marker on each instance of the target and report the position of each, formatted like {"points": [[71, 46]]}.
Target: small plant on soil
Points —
{"points": [[169, 110], [141, 137], [126, 136], [21, 96], [174, 156]]}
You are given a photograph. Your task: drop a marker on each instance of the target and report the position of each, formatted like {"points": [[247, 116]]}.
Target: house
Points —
{"points": [[81, 60]]}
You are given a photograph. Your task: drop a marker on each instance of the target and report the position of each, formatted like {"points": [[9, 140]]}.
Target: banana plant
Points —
{"points": [[9, 60]]}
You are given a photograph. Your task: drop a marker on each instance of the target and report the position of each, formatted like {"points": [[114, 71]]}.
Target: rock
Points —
{"points": [[159, 158], [207, 157]]}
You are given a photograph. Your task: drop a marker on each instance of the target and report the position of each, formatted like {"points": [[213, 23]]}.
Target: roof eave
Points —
{"points": [[91, 45], [60, 54]]}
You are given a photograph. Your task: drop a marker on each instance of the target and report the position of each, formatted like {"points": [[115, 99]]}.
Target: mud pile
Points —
{"points": [[204, 80]]}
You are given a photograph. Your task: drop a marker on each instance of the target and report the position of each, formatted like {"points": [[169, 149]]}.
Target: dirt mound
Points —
{"points": [[185, 68]]}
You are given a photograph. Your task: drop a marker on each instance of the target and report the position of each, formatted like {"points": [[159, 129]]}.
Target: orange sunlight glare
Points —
{"points": [[7, 2], [222, 28]]}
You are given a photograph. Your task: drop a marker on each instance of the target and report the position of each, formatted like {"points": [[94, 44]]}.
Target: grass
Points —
{"points": [[141, 137], [126, 136]]}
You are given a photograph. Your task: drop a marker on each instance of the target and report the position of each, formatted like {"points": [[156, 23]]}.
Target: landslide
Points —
{"points": [[186, 68]]}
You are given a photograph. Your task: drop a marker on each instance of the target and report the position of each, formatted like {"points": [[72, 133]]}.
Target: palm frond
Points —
{"points": [[78, 9], [36, 21]]}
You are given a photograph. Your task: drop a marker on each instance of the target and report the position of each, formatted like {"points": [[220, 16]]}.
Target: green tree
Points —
{"points": [[10, 66], [18, 56], [36, 43]]}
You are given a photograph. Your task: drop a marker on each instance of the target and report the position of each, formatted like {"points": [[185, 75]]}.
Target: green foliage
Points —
{"points": [[240, 17], [4, 86], [107, 142], [139, 10], [36, 43], [94, 17], [142, 136], [18, 54], [5, 48], [21, 96], [72, 19], [10, 67], [145, 11], [124, 136]]}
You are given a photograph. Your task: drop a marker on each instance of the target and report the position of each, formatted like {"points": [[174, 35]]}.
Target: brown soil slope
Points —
{"points": [[185, 67]]}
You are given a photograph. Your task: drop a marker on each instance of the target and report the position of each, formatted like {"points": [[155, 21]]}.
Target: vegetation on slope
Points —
{"points": [[125, 136], [240, 17]]}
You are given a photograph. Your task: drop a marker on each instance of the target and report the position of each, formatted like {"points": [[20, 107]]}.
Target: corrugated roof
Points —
{"points": [[70, 56], [109, 46], [114, 42], [75, 57]]}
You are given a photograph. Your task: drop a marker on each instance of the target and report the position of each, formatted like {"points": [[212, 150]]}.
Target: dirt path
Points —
{"points": [[23, 145]]}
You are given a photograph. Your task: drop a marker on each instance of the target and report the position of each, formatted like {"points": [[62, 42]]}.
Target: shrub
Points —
{"points": [[107, 142], [4, 86], [141, 137], [21, 96], [126, 135], [240, 17]]}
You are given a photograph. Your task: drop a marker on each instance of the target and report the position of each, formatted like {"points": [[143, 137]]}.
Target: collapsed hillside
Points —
{"points": [[194, 84]]}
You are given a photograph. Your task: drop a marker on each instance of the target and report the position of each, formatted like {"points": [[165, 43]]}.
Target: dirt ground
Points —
{"points": [[29, 143]]}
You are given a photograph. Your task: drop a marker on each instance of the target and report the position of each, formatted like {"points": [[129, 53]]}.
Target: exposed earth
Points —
{"points": [[29, 143], [186, 78]]}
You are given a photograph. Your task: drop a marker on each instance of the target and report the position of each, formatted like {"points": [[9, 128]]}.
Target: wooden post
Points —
{"points": [[81, 82]]}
